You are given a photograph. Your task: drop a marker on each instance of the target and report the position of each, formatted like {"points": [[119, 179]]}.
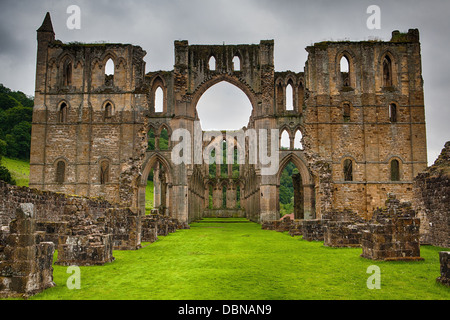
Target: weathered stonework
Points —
{"points": [[83, 243], [444, 257], [94, 126], [313, 229], [125, 227], [25, 260], [343, 234], [432, 200], [392, 234]]}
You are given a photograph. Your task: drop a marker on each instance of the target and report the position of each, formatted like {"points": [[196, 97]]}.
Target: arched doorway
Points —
{"points": [[158, 171], [295, 188]]}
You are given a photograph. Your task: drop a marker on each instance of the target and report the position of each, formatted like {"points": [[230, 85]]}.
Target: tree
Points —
{"points": [[8, 102], [5, 175], [19, 141]]}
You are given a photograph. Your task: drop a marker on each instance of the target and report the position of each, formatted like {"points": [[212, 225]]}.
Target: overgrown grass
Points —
{"points": [[228, 261], [20, 170]]}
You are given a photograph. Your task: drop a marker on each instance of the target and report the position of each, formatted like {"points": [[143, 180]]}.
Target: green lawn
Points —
{"points": [[20, 170], [228, 261]]}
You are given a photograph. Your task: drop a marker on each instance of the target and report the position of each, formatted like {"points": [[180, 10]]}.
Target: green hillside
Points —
{"points": [[19, 169]]}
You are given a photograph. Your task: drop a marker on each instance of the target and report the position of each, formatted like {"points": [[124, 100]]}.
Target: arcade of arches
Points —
{"points": [[354, 132]]}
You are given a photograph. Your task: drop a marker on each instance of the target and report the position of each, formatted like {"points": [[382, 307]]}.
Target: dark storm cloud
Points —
{"points": [[154, 25]]}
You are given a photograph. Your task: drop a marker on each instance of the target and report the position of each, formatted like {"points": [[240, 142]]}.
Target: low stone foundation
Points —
{"points": [[83, 242], [25, 260], [149, 229], [223, 213], [296, 228], [393, 233], [313, 229], [125, 227], [444, 257], [342, 234]]}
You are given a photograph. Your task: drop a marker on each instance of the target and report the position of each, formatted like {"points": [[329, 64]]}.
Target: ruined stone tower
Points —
{"points": [[363, 129]]}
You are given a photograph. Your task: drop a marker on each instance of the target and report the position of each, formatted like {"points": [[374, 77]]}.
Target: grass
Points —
{"points": [[235, 261], [20, 170]]}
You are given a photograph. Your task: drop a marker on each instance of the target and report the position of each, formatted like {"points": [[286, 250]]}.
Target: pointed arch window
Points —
{"points": [[236, 63], [63, 113], [212, 63], [289, 96], [67, 74], [108, 110], [285, 143], [387, 71], [109, 72], [298, 140], [104, 172], [345, 71], [395, 170], [348, 170], [159, 100], [392, 113], [60, 171], [347, 112]]}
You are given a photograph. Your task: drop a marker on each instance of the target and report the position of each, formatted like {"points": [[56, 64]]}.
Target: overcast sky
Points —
{"points": [[154, 25]]}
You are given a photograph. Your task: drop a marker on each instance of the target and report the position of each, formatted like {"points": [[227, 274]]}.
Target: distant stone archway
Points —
{"points": [[304, 190], [162, 183]]}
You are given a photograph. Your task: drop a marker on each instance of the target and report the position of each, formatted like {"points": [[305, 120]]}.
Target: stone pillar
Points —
{"points": [[298, 196], [163, 204], [156, 187], [217, 197], [444, 257], [25, 261]]}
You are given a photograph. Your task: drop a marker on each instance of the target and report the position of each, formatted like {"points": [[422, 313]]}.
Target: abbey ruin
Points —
{"points": [[98, 136], [362, 131]]}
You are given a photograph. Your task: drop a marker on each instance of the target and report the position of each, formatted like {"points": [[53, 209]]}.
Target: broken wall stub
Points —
{"points": [[83, 242], [296, 228], [444, 258], [432, 200], [392, 234], [25, 259], [343, 228], [313, 229], [149, 229], [343, 234], [125, 227]]}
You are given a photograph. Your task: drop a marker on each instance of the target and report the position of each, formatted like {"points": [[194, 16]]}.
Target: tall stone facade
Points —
{"points": [[362, 130]]}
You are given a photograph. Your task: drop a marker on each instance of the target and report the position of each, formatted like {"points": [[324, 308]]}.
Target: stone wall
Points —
{"points": [[313, 229], [432, 200], [393, 233], [343, 234], [444, 257], [25, 260], [125, 227], [48, 205]]}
